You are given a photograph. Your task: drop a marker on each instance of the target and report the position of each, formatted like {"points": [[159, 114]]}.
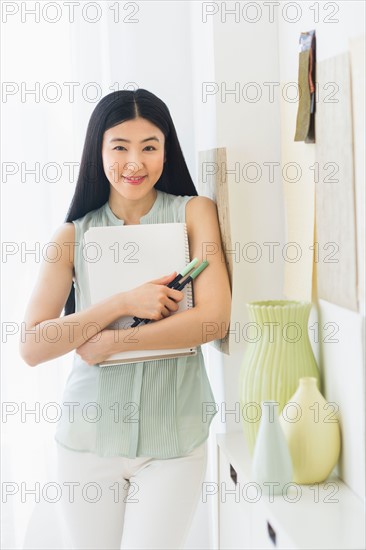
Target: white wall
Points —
{"points": [[263, 131], [251, 133], [342, 363], [247, 53]]}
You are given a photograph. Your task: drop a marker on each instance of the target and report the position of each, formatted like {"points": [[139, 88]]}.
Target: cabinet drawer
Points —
{"points": [[244, 523], [234, 512], [266, 532], [254, 520]]}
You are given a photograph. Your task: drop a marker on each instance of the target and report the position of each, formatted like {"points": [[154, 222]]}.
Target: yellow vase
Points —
{"points": [[278, 354], [311, 428]]}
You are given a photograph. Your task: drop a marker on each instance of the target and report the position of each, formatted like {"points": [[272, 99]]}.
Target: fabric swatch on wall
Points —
{"points": [[335, 198], [357, 50]]}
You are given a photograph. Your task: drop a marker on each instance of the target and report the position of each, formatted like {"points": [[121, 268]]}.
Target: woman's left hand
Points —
{"points": [[97, 349]]}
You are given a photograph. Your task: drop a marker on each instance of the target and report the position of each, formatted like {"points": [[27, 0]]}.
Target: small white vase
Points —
{"points": [[272, 465]]}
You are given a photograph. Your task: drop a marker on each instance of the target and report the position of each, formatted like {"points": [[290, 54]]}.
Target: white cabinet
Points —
{"points": [[266, 532], [243, 518], [234, 512], [321, 516]]}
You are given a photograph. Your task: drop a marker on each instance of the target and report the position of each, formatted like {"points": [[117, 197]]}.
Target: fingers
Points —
{"points": [[165, 312], [164, 280], [176, 295], [171, 305]]}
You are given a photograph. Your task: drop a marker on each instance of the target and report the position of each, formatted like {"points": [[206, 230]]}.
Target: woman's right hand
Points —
{"points": [[153, 300]]}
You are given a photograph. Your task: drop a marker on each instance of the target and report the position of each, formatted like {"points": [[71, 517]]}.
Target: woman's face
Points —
{"points": [[132, 149]]}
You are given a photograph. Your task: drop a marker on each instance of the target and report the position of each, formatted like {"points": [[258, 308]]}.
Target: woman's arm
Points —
{"points": [[210, 317], [44, 335]]}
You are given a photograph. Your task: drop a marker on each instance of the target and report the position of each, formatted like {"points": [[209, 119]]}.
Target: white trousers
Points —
{"points": [[130, 504]]}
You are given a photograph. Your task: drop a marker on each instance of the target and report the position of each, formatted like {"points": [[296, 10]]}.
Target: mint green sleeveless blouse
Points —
{"points": [[154, 408]]}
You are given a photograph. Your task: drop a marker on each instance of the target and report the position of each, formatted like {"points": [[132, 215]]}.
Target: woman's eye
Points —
{"points": [[120, 147]]}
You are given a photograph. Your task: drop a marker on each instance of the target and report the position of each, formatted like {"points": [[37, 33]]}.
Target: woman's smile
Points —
{"points": [[134, 180]]}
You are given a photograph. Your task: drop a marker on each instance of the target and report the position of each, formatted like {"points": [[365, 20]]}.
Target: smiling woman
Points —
{"points": [[139, 176], [133, 168]]}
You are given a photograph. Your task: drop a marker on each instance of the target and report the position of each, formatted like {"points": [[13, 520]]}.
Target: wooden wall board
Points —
{"points": [[213, 184]]}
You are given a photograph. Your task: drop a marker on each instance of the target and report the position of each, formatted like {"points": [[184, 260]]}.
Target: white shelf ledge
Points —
{"points": [[327, 515]]}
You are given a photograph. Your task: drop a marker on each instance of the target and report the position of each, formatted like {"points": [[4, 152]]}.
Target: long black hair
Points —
{"points": [[92, 187]]}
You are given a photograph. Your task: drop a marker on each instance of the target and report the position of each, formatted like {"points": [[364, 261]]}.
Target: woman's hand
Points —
{"points": [[98, 348], [153, 300]]}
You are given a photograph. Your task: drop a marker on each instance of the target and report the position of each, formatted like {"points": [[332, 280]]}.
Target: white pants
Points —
{"points": [[130, 504]]}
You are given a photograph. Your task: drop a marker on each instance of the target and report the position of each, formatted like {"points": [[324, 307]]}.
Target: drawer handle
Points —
{"points": [[271, 533], [233, 475]]}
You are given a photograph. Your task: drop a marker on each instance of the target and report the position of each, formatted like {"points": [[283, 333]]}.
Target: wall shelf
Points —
{"points": [[321, 516]]}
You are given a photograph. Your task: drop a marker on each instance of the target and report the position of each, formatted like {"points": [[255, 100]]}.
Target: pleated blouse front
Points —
{"points": [[161, 408]]}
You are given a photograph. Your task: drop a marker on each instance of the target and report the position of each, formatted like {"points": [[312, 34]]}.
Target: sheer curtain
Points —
{"points": [[53, 75], [42, 137]]}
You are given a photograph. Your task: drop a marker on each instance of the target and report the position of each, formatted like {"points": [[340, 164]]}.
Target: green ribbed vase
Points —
{"points": [[278, 354]]}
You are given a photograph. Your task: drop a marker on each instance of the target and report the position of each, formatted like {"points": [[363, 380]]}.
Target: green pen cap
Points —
{"points": [[199, 269], [188, 267]]}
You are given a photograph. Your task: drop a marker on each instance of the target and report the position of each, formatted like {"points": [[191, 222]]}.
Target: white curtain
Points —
{"points": [[40, 135], [54, 72]]}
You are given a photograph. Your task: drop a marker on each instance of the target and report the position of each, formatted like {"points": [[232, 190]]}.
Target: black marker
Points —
{"points": [[189, 279], [172, 284], [195, 274]]}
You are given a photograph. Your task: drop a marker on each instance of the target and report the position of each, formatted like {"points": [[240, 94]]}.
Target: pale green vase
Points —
{"points": [[278, 354], [272, 463]]}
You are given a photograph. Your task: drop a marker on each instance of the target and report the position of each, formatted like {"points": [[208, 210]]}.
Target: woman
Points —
{"points": [[132, 449]]}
